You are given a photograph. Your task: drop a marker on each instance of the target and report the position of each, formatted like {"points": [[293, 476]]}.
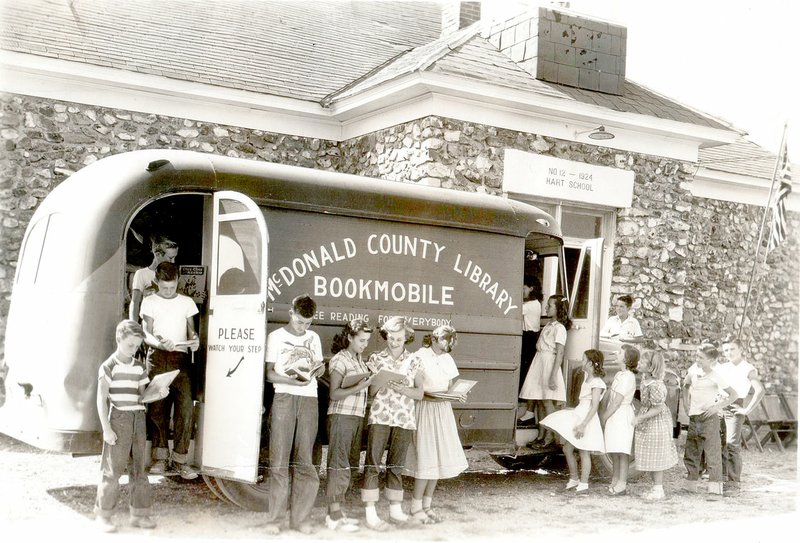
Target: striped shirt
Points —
{"points": [[124, 381]]}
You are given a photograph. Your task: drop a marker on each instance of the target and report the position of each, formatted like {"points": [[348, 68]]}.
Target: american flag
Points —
{"points": [[778, 228]]}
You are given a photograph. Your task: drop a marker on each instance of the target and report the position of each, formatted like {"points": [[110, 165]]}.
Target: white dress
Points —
{"points": [[565, 420], [536, 382], [620, 426]]}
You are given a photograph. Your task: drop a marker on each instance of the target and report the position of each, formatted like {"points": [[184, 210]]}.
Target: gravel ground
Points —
{"points": [[52, 495]]}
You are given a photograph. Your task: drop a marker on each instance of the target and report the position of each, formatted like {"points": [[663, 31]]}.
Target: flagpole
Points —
{"points": [[761, 232]]}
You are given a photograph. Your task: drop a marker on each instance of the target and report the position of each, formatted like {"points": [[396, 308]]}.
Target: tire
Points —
{"points": [[551, 459], [212, 485], [250, 496], [602, 465]]}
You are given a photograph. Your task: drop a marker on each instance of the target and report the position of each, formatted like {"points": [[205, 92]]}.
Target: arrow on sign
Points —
{"points": [[230, 372]]}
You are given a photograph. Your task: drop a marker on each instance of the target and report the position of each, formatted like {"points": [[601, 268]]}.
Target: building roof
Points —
{"points": [[303, 50], [741, 158]]}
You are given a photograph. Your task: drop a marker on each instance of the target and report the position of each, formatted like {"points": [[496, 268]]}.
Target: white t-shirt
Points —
{"points": [[531, 316], [615, 328], [284, 347], [144, 280], [169, 316], [737, 376], [705, 388], [437, 370]]}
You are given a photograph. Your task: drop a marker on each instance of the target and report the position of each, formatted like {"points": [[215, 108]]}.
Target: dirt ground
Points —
{"points": [[49, 494]]}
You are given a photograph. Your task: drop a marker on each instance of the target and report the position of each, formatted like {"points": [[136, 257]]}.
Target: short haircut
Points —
{"points": [[709, 350], [445, 331], [733, 340], [627, 300], [305, 306], [129, 328], [160, 244], [341, 341], [167, 271], [395, 324]]}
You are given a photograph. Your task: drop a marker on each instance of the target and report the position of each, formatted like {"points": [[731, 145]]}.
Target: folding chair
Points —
{"points": [[789, 429], [776, 417], [752, 424]]}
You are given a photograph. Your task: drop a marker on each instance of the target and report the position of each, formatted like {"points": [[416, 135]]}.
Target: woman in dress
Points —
{"points": [[435, 452], [580, 427], [653, 443], [618, 420], [545, 380]]}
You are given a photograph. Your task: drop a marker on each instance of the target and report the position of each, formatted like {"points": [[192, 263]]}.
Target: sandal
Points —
{"points": [[379, 526], [421, 517]]}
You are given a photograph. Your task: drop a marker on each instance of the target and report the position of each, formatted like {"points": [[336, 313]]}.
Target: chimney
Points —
{"points": [[565, 48], [457, 15]]}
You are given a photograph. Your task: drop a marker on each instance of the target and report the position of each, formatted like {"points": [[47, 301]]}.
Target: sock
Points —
{"points": [[372, 515], [527, 416], [396, 511], [335, 514], [426, 502], [572, 483], [416, 505], [582, 486], [658, 488]]}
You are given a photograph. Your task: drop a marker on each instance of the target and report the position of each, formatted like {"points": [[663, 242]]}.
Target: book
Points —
{"points": [[192, 282], [353, 378], [384, 376], [458, 390], [157, 385], [303, 371]]}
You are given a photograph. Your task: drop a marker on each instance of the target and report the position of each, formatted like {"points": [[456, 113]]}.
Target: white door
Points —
{"points": [[584, 302], [237, 323]]}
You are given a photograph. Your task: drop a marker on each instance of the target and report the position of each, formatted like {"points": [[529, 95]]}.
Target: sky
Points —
{"points": [[732, 59]]}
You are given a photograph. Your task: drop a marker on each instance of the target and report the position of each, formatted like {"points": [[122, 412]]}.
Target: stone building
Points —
{"points": [[435, 93]]}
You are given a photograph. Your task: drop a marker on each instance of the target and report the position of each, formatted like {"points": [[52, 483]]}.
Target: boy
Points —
{"points": [[164, 250], [293, 418], [169, 328], [121, 381], [623, 326]]}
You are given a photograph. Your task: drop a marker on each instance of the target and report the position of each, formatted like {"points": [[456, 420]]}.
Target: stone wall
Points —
{"points": [[687, 259]]}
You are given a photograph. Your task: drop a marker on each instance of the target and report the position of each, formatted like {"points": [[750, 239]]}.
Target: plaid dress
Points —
{"points": [[654, 447]]}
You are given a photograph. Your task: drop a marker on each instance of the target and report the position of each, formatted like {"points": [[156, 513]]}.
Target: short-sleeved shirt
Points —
{"points": [[531, 316], [624, 384], [169, 316], [284, 348], [552, 334], [738, 376], [344, 362], [616, 328], [437, 370], [390, 407], [124, 381], [144, 280], [705, 389]]}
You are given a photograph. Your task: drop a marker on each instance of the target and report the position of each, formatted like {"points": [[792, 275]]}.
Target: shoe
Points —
{"points": [[186, 471], [143, 522], [714, 497], [105, 525], [654, 495], [572, 483], [339, 525], [731, 492], [348, 520], [615, 493], [420, 517], [159, 467], [272, 529], [433, 516]]}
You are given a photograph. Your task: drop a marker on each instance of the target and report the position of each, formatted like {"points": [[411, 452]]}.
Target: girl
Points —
{"points": [[618, 420], [545, 380], [531, 326], [391, 420], [653, 443], [580, 427], [345, 417], [435, 451]]}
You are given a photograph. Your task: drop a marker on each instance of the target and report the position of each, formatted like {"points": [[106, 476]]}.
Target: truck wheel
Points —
{"points": [[250, 496], [212, 485], [602, 465]]}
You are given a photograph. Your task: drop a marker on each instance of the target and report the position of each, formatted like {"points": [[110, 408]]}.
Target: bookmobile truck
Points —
{"points": [[252, 236]]}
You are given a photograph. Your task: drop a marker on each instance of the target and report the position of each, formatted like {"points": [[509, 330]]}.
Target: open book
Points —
{"points": [[384, 376], [354, 378], [302, 371], [460, 388], [157, 385]]}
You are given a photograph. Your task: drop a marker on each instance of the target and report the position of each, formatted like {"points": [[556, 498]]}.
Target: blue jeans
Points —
{"points": [[703, 437], [344, 446], [127, 451], [180, 398], [398, 440], [293, 429], [732, 446]]}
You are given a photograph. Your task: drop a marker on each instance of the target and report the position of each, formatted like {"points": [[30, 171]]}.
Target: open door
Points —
{"points": [[237, 323], [584, 301]]}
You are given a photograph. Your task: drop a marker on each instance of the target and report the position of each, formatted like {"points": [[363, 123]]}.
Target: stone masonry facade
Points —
{"points": [[687, 259]]}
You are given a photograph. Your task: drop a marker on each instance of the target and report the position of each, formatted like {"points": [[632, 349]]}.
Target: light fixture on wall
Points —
{"points": [[598, 133]]}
